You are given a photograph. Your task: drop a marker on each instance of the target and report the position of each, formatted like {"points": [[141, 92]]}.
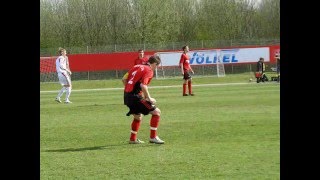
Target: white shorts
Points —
{"points": [[64, 79]]}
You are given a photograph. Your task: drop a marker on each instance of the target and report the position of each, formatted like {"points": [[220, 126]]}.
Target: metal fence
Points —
{"points": [[159, 46], [166, 72]]}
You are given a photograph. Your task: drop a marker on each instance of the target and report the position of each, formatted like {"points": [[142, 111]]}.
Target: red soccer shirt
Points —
{"points": [[138, 74], [185, 60], [143, 60]]}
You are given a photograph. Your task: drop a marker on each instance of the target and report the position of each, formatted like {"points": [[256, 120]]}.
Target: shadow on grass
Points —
{"points": [[100, 147], [95, 105], [77, 149]]}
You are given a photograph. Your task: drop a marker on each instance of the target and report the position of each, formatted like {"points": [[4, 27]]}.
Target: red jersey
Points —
{"points": [[143, 60], [137, 75], [185, 60]]}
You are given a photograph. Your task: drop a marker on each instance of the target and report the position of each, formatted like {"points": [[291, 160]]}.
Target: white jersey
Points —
{"points": [[62, 64]]}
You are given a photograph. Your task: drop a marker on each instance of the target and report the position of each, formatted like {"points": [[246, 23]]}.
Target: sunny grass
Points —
{"points": [[224, 132]]}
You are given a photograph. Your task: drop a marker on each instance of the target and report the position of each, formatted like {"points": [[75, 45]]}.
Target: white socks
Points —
{"points": [[68, 93], [67, 90], [61, 92]]}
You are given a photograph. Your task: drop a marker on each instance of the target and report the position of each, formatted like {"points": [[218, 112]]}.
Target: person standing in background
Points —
{"points": [[64, 75], [185, 69], [261, 68], [141, 59], [278, 65]]}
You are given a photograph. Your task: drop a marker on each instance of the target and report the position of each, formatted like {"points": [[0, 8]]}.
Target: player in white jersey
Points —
{"points": [[64, 73]]}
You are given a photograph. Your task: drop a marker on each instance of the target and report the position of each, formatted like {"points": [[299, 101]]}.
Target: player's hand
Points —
{"points": [[70, 73], [152, 100], [192, 72]]}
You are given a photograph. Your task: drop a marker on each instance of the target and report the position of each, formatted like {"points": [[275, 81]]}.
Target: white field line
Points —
{"points": [[156, 87]]}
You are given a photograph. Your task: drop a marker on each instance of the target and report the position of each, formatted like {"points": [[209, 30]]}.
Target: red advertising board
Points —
{"points": [[110, 61]]}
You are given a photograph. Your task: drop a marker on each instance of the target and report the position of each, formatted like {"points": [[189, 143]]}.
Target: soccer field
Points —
{"points": [[226, 131]]}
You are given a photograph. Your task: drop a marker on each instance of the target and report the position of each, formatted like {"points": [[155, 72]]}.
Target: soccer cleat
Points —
{"points": [[184, 94], [58, 100], [67, 102], [191, 94], [156, 140], [137, 141]]}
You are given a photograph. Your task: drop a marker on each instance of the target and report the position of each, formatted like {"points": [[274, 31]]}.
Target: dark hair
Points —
{"points": [[154, 59], [184, 47], [140, 50]]}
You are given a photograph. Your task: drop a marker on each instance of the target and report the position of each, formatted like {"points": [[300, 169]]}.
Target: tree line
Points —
{"points": [[76, 23]]}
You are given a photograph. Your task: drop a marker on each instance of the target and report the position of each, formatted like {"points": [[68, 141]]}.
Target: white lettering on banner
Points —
{"points": [[202, 57], [212, 57]]}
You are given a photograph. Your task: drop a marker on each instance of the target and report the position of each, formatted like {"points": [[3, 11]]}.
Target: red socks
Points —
{"points": [[135, 125], [184, 88], [154, 122], [189, 87]]}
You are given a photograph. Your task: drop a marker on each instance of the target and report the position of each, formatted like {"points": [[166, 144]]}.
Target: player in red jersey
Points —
{"points": [[185, 68], [139, 78], [141, 59]]}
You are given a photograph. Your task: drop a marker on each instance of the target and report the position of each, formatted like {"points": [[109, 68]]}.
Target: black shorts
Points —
{"points": [[186, 75], [137, 105]]}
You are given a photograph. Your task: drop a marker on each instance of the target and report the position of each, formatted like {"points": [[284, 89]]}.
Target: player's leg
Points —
{"points": [[278, 73], [68, 88], [190, 87], [62, 81], [145, 107], [186, 77], [135, 125], [184, 88], [154, 123], [133, 105]]}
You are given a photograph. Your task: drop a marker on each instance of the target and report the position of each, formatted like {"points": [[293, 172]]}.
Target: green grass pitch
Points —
{"points": [[229, 130]]}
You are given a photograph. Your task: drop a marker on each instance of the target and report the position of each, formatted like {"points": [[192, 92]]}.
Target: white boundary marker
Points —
{"points": [[151, 87]]}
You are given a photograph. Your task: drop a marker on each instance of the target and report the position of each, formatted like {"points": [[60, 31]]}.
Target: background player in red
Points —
{"points": [[141, 59], [185, 69], [139, 78]]}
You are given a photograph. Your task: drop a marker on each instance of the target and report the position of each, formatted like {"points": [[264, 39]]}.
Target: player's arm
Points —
{"points": [[191, 69], [61, 65], [135, 62], [125, 78], [181, 66], [68, 67], [146, 93]]}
